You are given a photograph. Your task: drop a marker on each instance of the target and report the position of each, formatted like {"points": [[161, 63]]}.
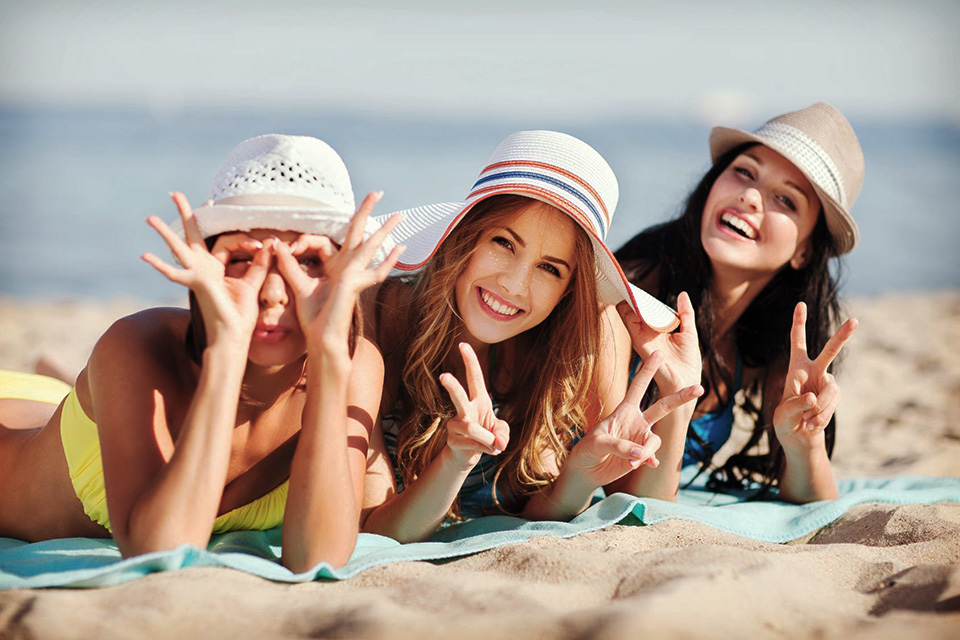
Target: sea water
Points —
{"points": [[77, 185]]}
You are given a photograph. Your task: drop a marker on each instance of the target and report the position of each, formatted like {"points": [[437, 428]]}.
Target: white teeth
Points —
{"points": [[497, 306], [738, 224]]}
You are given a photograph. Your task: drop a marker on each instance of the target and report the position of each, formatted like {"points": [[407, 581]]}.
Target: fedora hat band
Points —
{"points": [[537, 177], [808, 155]]}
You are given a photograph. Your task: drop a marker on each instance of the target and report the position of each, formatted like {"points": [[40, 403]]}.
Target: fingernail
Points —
{"points": [[636, 452], [634, 464], [497, 452], [378, 194]]}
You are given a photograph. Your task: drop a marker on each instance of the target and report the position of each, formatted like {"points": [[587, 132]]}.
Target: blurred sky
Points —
{"points": [[709, 61]]}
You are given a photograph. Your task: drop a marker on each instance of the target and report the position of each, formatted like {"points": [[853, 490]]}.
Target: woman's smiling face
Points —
{"points": [[760, 214], [517, 274]]}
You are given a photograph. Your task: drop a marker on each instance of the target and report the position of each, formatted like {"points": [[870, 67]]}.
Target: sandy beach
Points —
{"points": [[881, 571]]}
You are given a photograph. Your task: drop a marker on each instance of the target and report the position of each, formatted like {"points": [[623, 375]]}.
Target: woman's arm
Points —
{"points": [[681, 369], [322, 517], [569, 494], [161, 493], [327, 473], [810, 396], [416, 513]]}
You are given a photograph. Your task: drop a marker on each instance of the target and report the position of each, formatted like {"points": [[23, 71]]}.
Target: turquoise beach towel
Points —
{"points": [[84, 562]]}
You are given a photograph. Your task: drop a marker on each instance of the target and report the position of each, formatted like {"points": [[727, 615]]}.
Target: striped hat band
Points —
{"points": [[527, 176]]}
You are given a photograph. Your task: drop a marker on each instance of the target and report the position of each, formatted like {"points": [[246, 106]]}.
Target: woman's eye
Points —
{"points": [[503, 242], [744, 172], [308, 263], [787, 202], [549, 268]]}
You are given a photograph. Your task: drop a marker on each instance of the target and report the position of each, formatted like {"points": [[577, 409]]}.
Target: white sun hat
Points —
{"points": [[554, 168], [820, 142], [306, 180]]}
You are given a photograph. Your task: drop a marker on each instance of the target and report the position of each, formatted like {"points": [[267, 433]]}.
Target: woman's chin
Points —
{"points": [[274, 355]]}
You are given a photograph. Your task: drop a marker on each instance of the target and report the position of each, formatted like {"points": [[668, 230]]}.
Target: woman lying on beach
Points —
{"points": [[753, 248], [254, 407], [494, 353]]}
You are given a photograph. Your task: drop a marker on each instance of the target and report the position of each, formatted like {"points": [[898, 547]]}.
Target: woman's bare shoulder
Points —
{"points": [[148, 343]]}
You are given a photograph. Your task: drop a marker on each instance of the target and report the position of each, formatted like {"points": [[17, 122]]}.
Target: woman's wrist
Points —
{"points": [[451, 461], [569, 494]]}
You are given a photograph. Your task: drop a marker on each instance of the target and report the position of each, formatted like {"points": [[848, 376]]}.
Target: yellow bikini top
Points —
{"points": [[81, 445]]}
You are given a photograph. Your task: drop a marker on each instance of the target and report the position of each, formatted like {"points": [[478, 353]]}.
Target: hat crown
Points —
{"points": [[275, 164], [556, 168], [832, 132]]}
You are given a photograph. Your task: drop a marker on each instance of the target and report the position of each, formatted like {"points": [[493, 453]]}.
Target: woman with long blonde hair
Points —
{"points": [[510, 299]]}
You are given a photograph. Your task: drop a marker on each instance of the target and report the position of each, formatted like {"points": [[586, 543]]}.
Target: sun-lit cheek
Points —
{"points": [[548, 290]]}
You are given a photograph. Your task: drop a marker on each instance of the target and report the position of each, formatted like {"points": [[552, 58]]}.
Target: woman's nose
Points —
{"points": [[274, 290], [751, 197], [515, 280]]}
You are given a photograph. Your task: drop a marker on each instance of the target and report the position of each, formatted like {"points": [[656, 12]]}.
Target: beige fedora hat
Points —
{"points": [[820, 142]]}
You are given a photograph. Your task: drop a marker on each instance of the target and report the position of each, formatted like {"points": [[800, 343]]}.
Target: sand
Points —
{"points": [[881, 571]]}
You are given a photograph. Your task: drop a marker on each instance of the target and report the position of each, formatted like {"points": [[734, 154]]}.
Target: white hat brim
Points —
{"points": [[424, 228]]}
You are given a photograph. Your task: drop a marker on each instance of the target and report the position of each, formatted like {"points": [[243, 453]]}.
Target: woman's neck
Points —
{"points": [[265, 385], [732, 294]]}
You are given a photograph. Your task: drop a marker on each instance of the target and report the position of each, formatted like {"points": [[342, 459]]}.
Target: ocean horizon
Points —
{"points": [[76, 185]]}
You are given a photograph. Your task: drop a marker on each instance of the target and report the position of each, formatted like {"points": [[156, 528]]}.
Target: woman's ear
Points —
{"points": [[802, 255]]}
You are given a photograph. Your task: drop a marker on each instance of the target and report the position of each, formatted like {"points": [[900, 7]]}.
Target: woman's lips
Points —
{"points": [[270, 333], [744, 231], [496, 315]]}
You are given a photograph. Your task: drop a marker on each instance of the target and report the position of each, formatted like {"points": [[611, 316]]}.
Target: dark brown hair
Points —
{"points": [[672, 253]]}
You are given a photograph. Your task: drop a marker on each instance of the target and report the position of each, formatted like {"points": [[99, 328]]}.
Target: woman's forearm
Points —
{"points": [[181, 504], [415, 514], [322, 516], [566, 497], [807, 476]]}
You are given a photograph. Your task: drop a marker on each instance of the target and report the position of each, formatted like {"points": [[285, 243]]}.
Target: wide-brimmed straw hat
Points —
{"points": [[820, 142], [293, 167], [559, 170]]}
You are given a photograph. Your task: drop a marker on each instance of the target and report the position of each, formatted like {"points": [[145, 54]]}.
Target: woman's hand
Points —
{"points": [[624, 440], [682, 362], [810, 392], [325, 299], [229, 305], [475, 429]]}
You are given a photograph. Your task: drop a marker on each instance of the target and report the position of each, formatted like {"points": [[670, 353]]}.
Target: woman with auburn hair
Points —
{"points": [[252, 409], [753, 247], [509, 302]]}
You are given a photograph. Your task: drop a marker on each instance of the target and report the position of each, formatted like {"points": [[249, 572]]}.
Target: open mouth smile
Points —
{"points": [[738, 225], [497, 307]]}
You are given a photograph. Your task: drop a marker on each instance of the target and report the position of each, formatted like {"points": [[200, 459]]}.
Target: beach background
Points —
{"points": [[105, 107]]}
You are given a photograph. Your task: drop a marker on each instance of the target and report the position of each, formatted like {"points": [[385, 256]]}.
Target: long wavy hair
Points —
{"points": [[673, 256], [545, 395]]}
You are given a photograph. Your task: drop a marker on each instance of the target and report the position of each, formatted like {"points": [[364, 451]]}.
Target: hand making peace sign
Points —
{"points": [[623, 440], [810, 392], [475, 429]]}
